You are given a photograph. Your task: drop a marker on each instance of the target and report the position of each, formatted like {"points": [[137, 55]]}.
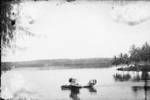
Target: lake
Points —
{"points": [[38, 84]]}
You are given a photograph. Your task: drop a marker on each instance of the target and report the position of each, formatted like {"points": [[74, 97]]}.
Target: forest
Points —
{"points": [[137, 56]]}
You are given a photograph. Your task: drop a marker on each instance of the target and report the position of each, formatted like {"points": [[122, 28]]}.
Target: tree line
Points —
{"points": [[135, 55]]}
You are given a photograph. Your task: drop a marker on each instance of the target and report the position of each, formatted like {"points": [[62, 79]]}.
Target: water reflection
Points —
{"points": [[132, 76], [92, 90], [144, 88], [74, 92], [137, 76], [145, 76], [121, 77]]}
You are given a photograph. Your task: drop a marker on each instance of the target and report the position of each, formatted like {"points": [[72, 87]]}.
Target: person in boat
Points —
{"points": [[73, 82], [92, 83]]}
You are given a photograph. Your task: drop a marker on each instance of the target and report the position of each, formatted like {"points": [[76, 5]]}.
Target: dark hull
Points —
{"points": [[74, 87], [70, 86]]}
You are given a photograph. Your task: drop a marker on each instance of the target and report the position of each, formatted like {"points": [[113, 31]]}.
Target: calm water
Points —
{"points": [[111, 85]]}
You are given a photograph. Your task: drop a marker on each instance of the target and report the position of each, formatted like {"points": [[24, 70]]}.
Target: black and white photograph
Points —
{"points": [[75, 49]]}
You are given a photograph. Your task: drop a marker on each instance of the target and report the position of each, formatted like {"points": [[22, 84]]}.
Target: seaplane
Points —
{"points": [[75, 85]]}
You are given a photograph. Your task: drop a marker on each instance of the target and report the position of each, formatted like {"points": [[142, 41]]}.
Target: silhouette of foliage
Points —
{"points": [[7, 24], [136, 55], [140, 54]]}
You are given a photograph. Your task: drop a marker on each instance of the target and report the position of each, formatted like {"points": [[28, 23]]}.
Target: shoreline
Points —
{"points": [[145, 67]]}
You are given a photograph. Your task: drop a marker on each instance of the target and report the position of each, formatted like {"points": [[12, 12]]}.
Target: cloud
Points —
{"points": [[132, 13]]}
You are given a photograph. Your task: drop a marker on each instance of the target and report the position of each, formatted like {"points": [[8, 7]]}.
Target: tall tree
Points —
{"points": [[7, 24]]}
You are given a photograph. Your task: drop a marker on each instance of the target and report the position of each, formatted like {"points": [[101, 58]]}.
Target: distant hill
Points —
{"points": [[60, 63]]}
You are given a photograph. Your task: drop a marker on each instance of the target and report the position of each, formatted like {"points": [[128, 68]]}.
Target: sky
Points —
{"points": [[80, 29]]}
